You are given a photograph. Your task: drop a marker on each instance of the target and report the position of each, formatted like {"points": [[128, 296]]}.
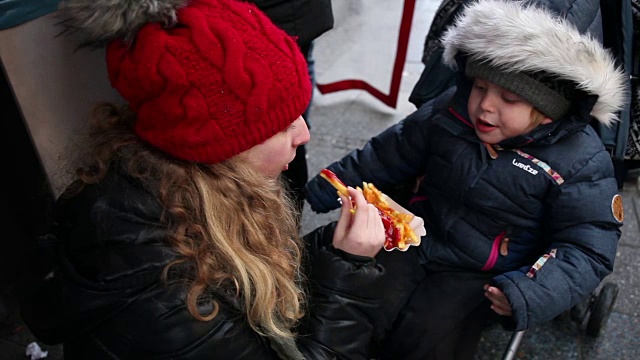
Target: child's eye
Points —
{"points": [[510, 100], [510, 97], [479, 87]]}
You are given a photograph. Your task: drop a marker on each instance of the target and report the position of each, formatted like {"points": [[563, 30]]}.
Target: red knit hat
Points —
{"points": [[220, 80]]}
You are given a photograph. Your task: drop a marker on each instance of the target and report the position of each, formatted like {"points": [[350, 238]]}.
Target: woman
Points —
{"points": [[177, 240], [306, 20]]}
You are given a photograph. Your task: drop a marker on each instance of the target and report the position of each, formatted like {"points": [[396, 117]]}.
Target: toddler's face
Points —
{"points": [[498, 114]]}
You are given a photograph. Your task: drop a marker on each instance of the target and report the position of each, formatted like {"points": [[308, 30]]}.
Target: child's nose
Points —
{"points": [[488, 102]]}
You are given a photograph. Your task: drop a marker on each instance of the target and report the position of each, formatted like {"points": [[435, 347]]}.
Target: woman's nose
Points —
{"points": [[301, 135]]}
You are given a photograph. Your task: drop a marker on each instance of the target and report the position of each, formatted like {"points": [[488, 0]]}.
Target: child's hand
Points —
{"points": [[499, 302], [359, 230]]}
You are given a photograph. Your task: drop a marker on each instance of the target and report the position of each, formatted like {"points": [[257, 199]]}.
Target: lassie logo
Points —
{"points": [[525, 167]]}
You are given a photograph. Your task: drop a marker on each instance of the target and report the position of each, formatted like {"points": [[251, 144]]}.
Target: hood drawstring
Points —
{"points": [[492, 152]]}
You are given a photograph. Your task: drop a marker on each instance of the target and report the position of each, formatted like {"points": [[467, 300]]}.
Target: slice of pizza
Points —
{"points": [[398, 223]]}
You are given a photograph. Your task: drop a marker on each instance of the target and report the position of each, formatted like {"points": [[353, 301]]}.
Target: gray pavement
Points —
{"points": [[343, 121]]}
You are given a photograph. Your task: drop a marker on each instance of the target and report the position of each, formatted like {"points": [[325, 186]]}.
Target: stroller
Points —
{"points": [[620, 25]]}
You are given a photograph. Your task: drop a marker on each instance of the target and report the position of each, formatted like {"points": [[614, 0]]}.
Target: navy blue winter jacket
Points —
{"points": [[553, 188]]}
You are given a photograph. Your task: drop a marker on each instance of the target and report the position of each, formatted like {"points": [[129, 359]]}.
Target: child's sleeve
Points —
{"points": [[584, 220], [391, 158]]}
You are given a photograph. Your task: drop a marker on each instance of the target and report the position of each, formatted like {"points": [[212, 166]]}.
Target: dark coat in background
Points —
{"points": [[305, 19]]}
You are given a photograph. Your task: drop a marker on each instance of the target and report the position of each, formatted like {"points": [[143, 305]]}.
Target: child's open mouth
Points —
{"points": [[484, 126]]}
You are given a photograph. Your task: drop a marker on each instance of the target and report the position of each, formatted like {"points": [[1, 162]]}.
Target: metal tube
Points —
{"points": [[516, 337]]}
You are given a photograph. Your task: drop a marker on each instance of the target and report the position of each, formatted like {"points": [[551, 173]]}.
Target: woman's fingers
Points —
{"points": [[367, 222], [344, 222], [361, 213], [363, 230]]}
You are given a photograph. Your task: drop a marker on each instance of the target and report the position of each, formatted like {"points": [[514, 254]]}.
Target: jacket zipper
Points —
{"points": [[492, 152], [495, 250]]}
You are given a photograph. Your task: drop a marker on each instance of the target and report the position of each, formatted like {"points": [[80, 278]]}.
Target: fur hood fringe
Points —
{"points": [[100, 21], [518, 36]]}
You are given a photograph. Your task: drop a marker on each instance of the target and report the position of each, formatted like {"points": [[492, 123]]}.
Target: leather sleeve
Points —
{"points": [[344, 298]]}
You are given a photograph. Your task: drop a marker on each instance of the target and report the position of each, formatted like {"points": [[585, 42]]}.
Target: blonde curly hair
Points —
{"points": [[233, 228]]}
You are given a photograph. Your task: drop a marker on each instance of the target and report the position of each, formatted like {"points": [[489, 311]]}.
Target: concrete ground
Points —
{"points": [[362, 46]]}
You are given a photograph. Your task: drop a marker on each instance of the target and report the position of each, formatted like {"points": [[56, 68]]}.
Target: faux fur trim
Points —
{"points": [[100, 21], [518, 36]]}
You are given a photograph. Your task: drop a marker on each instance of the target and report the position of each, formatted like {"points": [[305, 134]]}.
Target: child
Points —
{"points": [[177, 240], [517, 191]]}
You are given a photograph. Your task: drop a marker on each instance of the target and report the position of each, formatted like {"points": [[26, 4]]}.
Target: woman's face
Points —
{"points": [[499, 114], [274, 155]]}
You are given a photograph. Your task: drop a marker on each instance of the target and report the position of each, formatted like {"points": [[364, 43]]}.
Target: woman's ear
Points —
{"points": [[546, 120]]}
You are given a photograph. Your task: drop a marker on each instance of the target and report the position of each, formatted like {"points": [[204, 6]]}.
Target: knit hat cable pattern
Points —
{"points": [[220, 81]]}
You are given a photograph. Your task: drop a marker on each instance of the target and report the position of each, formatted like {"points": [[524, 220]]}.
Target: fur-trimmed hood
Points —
{"points": [[518, 36], [100, 21]]}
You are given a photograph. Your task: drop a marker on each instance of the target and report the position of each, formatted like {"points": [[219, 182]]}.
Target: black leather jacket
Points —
{"points": [[104, 298]]}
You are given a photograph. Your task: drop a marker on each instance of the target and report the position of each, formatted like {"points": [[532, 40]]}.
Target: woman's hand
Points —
{"points": [[499, 302], [359, 232]]}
